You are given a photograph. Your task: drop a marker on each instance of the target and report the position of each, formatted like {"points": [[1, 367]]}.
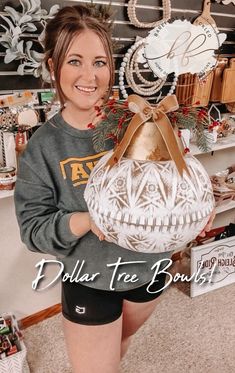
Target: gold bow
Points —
{"points": [[143, 113]]}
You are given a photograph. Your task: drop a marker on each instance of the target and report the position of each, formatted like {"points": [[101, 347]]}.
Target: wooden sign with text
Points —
{"points": [[216, 261]]}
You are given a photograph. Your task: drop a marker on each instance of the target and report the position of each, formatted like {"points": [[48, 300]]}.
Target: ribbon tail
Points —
{"points": [[120, 149], [164, 126]]}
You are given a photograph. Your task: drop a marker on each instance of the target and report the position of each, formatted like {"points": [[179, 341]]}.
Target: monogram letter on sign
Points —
{"points": [[182, 47]]}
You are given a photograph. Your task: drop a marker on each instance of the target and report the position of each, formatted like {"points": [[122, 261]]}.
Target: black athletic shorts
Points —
{"points": [[84, 305]]}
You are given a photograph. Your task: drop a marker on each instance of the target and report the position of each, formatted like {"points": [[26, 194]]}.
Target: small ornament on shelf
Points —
{"points": [[214, 121], [18, 119], [223, 184], [226, 2], [224, 128]]}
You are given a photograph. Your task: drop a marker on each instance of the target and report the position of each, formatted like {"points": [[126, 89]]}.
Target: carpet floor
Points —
{"points": [[186, 335]]}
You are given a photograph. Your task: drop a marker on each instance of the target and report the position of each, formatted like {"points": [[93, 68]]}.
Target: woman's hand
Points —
{"points": [[81, 223], [208, 226], [96, 230]]}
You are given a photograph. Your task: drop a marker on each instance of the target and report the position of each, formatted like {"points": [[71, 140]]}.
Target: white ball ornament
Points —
{"points": [[144, 204]]}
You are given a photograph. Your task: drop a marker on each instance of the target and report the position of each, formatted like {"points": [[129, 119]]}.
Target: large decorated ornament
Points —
{"points": [[146, 195]]}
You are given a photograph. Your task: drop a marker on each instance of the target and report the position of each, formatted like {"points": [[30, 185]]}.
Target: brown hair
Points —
{"points": [[61, 30]]}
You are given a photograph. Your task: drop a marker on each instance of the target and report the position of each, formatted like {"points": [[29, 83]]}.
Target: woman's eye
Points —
{"points": [[100, 63], [74, 62]]}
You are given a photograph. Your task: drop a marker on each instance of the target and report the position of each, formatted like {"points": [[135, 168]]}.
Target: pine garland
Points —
{"points": [[198, 120], [116, 116]]}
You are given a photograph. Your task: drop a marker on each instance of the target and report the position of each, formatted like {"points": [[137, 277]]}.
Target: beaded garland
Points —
{"points": [[126, 69], [166, 4], [129, 65]]}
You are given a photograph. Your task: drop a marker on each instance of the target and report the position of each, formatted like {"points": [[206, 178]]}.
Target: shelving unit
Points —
{"points": [[226, 206], [226, 144], [6, 193]]}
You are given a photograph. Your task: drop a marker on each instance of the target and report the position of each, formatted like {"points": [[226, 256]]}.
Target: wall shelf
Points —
{"points": [[222, 143], [226, 206], [6, 193]]}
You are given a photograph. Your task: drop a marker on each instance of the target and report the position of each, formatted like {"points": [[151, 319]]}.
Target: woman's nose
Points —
{"points": [[88, 72]]}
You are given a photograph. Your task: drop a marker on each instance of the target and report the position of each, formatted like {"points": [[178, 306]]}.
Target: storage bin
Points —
{"points": [[15, 363]]}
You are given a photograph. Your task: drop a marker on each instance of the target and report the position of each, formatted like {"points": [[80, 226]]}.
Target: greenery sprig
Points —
{"points": [[115, 117], [198, 121]]}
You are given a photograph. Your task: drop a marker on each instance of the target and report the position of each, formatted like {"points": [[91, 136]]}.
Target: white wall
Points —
{"points": [[17, 269]]}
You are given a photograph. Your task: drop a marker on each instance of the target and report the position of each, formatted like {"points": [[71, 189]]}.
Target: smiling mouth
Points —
{"points": [[86, 89]]}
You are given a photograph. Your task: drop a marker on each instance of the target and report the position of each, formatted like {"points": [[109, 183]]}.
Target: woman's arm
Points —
{"points": [[79, 223], [44, 227]]}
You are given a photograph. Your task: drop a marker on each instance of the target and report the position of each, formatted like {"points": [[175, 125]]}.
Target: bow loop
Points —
{"points": [[144, 112], [168, 104]]}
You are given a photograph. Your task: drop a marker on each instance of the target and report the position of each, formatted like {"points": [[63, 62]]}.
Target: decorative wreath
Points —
{"points": [[32, 19]]}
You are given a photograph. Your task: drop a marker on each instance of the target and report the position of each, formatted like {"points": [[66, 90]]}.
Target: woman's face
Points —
{"points": [[85, 73]]}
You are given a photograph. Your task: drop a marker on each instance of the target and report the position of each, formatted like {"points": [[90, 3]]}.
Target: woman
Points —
{"points": [[52, 214]]}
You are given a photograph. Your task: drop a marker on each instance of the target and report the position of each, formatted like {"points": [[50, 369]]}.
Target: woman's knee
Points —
{"points": [[94, 348]]}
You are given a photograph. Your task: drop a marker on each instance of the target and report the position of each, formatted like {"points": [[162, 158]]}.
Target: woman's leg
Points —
{"points": [[134, 315], [93, 348]]}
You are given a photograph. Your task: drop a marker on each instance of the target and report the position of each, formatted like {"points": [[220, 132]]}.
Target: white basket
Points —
{"points": [[15, 363]]}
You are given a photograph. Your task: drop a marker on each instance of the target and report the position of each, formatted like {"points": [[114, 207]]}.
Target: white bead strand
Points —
{"points": [[131, 11], [153, 87], [127, 70], [173, 86]]}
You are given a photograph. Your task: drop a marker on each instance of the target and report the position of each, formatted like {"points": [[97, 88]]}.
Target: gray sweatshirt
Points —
{"points": [[53, 172]]}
